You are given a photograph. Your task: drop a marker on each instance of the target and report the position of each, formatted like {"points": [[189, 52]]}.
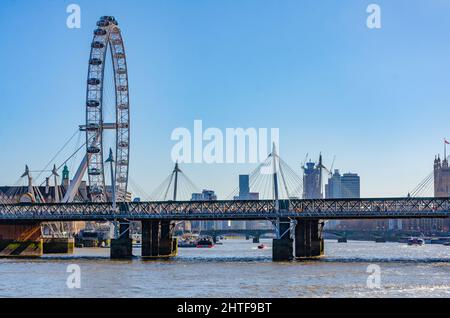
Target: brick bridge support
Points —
{"points": [[308, 239], [307, 243], [122, 247], [282, 248], [20, 239], [58, 245], [157, 239]]}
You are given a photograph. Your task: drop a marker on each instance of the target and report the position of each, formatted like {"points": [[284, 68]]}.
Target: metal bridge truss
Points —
{"points": [[233, 210]]}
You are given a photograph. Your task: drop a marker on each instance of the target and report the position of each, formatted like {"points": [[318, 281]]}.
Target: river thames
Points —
{"points": [[237, 269]]}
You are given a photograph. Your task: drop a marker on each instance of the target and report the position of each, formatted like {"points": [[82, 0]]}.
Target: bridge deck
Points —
{"points": [[373, 208]]}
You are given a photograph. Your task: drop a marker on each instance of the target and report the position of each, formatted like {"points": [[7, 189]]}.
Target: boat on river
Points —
{"points": [[416, 241], [205, 242]]}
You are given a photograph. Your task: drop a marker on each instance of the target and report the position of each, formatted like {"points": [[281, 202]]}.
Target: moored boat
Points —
{"points": [[187, 243], [416, 241], [205, 242]]}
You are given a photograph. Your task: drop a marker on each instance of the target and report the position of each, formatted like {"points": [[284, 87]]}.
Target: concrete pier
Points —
{"points": [[309, 241], [150, 238], [20, 239], [256, 239], [157, 240], [56, 245], [282, 248], [122, 248]]}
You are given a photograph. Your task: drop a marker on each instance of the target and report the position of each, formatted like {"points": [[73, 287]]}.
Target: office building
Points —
{"points": [[312, 180], [206, 195]]}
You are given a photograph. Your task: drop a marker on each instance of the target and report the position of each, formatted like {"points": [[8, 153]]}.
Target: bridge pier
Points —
{"points": [[309, 239], [282, 248], [58, 245], [122, 247], [21, 239], [256, 239], [157, 239]]}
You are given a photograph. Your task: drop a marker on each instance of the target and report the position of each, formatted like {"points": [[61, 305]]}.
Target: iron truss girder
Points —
{"points": [[229, 210]]}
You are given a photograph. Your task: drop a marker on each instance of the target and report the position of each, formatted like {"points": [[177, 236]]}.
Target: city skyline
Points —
{"points": [[200, 152], [360, 107]]}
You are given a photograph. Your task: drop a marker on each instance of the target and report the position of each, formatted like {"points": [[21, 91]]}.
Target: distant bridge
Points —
{"points": [[238, 232]]}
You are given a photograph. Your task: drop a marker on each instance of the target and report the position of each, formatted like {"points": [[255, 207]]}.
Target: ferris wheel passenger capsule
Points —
{"points": [[95, 61], [92, 103], [93, 81], [97, 45], [94, 171], [93, 149], [103, 23], [100, 32]]}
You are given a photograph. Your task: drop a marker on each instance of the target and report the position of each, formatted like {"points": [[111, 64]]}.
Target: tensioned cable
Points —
{"points": [[73, 154], [57, 154]]}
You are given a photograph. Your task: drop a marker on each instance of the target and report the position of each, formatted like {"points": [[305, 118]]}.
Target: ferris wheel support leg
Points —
{"points": [[76, 181]]}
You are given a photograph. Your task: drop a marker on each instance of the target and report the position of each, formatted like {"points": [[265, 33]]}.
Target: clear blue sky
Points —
{"points": [[377, 99]]}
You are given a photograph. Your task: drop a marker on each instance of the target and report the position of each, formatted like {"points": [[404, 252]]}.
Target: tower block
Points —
{"points": [[20, 239]]}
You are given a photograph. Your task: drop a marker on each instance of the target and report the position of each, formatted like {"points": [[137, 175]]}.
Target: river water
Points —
{"points": [[238, 269]]}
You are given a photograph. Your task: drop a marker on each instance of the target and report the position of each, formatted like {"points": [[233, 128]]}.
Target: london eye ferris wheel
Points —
{"points": [[107, 40]]}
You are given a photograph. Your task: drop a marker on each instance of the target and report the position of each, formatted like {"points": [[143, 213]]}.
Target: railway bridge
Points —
{"points": [[298, 223]]}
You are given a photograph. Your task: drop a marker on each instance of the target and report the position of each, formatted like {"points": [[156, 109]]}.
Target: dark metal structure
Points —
{"points": [[375, 208]]}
